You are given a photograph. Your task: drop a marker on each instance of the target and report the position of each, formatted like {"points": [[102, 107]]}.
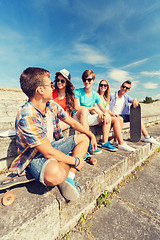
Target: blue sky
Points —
{"points": [[118, 40]]}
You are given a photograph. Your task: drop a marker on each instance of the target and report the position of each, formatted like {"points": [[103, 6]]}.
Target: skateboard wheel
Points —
{"points": [[8, 198], [93, 161]]}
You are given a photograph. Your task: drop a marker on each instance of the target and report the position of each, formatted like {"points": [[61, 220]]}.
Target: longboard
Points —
{"points": [[12, 180], [135, 123]]}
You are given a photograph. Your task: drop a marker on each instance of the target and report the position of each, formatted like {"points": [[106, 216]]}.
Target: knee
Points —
{"points": [[83, 138], [83, 112], [53, 174]]}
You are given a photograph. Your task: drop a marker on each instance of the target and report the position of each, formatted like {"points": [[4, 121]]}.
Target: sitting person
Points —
{"points": [[88, 115], [119, 104], [40, 140], [116, 121], [63, 93]]}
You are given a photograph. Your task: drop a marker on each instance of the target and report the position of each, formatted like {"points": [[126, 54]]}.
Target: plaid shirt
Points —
{"points": [[31, 131]]}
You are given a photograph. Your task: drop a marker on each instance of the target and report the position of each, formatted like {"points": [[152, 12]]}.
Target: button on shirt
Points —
{"points": [[31, 131]]}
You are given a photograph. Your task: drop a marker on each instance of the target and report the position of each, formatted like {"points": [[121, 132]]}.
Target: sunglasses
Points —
{"points": [[60, 80], [88, 79], [125, 87], [103, 85], [50, 85]]}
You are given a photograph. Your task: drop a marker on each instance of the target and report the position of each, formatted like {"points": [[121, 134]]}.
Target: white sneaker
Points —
{"points": [[124, 137], [125, 147], [151, 140], [8, 133]]}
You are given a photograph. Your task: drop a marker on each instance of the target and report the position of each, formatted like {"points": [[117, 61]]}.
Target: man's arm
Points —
{"points": [[80, 128], [77, 106], [49, 152]]}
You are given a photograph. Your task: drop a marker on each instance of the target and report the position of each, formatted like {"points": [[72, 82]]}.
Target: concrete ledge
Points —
{"points": [[9, 149], [40, 213]]}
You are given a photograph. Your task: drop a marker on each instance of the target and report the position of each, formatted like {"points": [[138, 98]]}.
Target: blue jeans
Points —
{"points": [[38, 164]]}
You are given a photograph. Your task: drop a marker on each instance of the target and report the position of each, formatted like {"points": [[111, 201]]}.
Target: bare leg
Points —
{"points": [[81, 149], [55, 173], [83, 117], [106, 128], [144, 131], [117, 129]]}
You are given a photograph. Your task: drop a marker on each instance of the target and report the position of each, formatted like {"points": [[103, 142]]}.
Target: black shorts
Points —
{"points": [[126, 117]]}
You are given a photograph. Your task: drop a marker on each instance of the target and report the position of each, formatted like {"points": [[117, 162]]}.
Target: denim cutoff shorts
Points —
{"points": [[126, 117], [38, 164]]}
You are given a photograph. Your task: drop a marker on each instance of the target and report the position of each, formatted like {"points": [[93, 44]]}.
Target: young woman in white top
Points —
{"points": [[116, 121]]}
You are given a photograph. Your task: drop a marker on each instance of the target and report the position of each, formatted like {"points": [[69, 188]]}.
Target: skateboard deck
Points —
{"points": [[135, 123], [9, 181]]}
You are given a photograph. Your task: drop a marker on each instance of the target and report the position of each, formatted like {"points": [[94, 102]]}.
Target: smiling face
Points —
{"points": [[88, 81], [103, 85], [61, 82], [125, 87]]}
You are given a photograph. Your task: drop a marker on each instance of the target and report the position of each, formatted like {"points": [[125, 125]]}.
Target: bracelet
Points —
{"points": [[77, 161]]}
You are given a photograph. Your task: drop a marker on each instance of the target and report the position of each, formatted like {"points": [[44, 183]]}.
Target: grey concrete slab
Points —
{"points": [[32, 200], [135, 214], [50, 210]]}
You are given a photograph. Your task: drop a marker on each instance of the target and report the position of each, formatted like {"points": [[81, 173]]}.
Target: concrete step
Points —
{"points": [[11, 94], [9, 149], [40, 213]]}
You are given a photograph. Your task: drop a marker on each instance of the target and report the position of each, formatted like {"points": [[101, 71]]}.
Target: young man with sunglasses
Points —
{"points": [[44, 151], [88, 115], [119, 104]]}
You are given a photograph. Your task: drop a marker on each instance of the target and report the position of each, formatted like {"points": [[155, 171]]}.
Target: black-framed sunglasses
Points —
{"points": [[103, 85], [60, 80], [125, 87], [51, 85], [88, 79]]}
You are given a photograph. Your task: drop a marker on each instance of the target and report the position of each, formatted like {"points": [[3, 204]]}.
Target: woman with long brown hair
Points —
{"points": [[116, 121], [63, 93]]}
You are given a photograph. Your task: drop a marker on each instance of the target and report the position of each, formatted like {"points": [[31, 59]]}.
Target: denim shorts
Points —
{"points": [[92, 119], [126, 117], [38, 164]]}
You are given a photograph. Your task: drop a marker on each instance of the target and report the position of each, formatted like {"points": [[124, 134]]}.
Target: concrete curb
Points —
{"points": [[40, 214]]}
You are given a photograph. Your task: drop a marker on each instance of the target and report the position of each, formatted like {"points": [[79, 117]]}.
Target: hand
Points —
{"points": [[93, 142], [106, 117], [135, 102], [114, 115]]}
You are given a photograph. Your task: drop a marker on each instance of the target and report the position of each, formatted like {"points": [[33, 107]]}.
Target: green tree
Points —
{"points": [[148, 100]]}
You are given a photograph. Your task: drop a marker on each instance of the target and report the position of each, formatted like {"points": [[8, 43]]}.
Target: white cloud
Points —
{"points": [[151, 85], [119, 75], [136, 63], [156, 73], [88, 54]]}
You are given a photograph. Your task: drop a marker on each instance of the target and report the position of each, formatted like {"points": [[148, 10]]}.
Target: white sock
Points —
{"points": [[103, 143], [147, 137], [71, 175]]}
